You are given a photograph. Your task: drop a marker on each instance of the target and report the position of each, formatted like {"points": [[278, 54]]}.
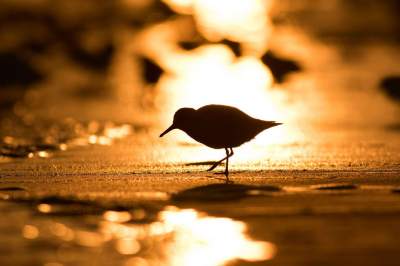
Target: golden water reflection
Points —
{"points": [[204, 240], [142, 236], [30, 232], [187, 237]]}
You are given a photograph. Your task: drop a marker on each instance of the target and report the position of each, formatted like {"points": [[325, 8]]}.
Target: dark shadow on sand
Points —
{"points": [[221, 192], [12, 189], [394, 127], [334, 186], [390, 86], [202, 163], [396, 190]]}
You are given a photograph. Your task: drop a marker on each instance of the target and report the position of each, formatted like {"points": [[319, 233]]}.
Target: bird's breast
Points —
{"points": [[220, 135]]}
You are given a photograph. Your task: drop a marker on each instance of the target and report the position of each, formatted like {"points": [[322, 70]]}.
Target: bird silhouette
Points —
{"points": [[219, 126]]}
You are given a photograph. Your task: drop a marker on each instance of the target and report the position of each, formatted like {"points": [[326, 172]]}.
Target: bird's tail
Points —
{"points": [[268, 124]]}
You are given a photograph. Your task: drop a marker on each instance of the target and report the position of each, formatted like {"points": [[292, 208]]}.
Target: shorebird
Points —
{"points": [[219, 127]]}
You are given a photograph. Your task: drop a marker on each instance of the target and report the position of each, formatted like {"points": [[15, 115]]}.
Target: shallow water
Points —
{"points": [[279, 223], [50, 234]]}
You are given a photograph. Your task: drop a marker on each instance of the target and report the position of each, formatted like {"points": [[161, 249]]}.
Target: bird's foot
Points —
{"points": [[226, 173], [226, 179], [219, 173]]}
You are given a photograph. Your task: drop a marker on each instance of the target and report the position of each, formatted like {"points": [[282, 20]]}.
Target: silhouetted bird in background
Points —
{"points": [[219, 126]]}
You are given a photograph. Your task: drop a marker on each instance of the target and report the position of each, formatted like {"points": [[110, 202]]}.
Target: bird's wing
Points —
{"points": [[229, 115], [222, 112], [221, 126]]}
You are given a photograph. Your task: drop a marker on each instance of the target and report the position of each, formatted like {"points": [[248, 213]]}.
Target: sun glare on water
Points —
{"points": [[186, 237], [208, 241]]}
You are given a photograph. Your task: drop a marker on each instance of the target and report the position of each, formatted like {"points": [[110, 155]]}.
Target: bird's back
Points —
{"points": [[220, 126]]}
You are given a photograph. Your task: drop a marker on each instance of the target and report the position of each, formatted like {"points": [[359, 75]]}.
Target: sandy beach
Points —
{"points": [[78, 213]]}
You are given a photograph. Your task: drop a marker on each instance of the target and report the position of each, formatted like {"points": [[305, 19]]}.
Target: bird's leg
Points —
{"points": [[217, 163], [226, 165], [220, 161], [228, 154]]}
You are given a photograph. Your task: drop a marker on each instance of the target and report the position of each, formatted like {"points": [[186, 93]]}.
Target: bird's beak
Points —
{"points": [[168, 130]]}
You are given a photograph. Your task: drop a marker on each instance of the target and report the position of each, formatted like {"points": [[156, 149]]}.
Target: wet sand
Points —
{"points": [[66, 209]]}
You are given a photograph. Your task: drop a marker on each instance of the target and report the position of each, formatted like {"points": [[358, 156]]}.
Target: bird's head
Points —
{"points": [[182, 118]]}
